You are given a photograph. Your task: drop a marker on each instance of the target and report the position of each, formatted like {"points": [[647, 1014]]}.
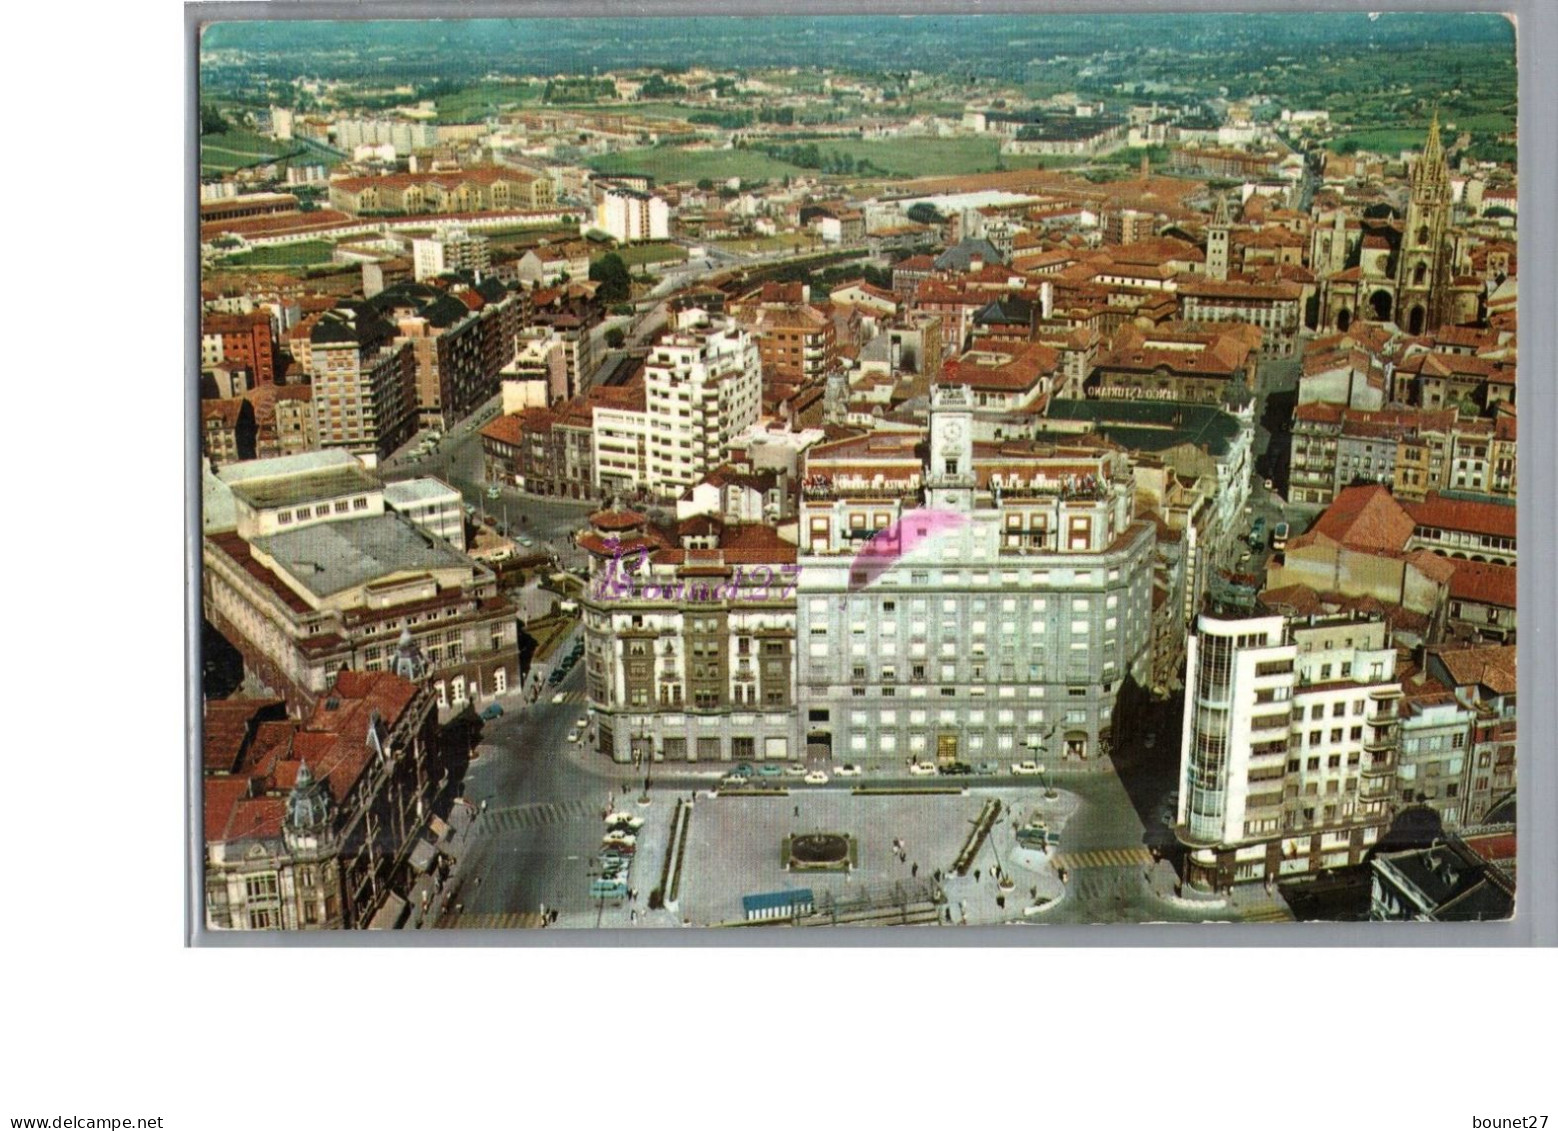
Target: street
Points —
{"points": [[537, 841]]}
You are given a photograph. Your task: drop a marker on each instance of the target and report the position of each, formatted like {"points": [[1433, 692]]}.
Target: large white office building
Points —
{"points": [[1003, 605]]}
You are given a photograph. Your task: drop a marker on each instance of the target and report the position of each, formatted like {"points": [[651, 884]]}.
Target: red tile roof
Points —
{"points": [[1496, 519], [1488, 665], [1361, 518], [1486, 583], [505, 429]]}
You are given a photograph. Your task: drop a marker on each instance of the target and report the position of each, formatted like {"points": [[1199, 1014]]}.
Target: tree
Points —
{"points": [[211, 121], [616, 285], [924, 213], [614, 338]]}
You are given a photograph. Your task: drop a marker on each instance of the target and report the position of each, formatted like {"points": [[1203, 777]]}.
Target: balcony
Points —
{"points": [[1383, 693]]}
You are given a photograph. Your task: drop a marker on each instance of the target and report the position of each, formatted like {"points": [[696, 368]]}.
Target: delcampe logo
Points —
{"points": [[888, 545], [626, 577]]}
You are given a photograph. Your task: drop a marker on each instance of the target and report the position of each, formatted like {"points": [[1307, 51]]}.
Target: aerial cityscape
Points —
{"points": [[857, 471]]}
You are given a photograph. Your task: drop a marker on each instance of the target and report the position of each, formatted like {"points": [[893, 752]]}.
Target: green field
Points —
{"points": [[237, 149], [1388, 142], [921, 156], [637, 255], [240, 148], [303, 254], [474, 102], [668, 163], [894, 157]]}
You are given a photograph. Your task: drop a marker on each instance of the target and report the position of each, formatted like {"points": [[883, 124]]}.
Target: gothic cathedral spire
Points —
{"points": [[1423, 261]]}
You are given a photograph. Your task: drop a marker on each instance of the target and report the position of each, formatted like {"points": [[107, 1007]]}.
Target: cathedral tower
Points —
{"points": [[1423, 262]]}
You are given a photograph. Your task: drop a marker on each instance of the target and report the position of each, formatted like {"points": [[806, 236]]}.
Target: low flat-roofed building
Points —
{"points": [[432, 505], [306, 574]]}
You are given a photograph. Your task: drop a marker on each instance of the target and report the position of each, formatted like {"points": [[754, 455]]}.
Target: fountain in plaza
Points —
{"points": [[819, 852]]}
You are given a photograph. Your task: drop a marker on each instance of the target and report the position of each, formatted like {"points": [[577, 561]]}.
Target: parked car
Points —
{"points": [[922, 769], [573, 736], [558, 698], [770, 770], [1025, 769], [848, 770], [733, 781], [493, 711], [955, 768], [742, 771], [816, 777], [795, 770], [988, 769]]}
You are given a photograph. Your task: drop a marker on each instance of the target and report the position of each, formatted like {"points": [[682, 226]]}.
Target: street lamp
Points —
{"points": [[1033, 743], [649, 762]]}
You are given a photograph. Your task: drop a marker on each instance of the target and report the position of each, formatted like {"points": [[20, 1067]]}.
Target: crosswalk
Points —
{"points": [[1137, 855], [532, 816], [492, 921]]}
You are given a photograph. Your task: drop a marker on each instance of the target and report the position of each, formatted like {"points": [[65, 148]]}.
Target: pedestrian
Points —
{"points": [[914, 871], [797, 810], [976, 875]]}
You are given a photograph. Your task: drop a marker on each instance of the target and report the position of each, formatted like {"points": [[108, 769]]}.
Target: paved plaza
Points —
{"points": [[733, 849]]}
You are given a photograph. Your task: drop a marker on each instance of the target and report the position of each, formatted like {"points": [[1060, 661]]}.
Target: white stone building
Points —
{"points": [[703, 383], [1288, 753], [1005, 603]]}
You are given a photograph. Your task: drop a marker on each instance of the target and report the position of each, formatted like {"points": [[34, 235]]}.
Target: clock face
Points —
{"points": [[952, 431]]}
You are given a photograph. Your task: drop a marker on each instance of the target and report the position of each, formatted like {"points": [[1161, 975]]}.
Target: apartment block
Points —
{"points": [[364, 380], [1289, 750], [703, 383]]}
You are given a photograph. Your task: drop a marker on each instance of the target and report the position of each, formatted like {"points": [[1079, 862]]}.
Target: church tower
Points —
{"points": [[1217, 241], [1423, 261], [308, 833], [950, 478]]}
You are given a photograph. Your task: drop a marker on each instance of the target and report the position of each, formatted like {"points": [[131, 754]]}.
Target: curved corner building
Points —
{"points": [[1287, 763]]}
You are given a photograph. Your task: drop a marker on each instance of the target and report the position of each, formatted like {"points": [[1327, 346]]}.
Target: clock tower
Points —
{"points": [[949, 478]]}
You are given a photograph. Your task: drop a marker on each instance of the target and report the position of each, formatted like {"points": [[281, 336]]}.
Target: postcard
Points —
{"points": [[857, 471]]}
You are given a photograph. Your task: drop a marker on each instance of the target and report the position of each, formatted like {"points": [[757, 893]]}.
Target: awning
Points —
{"points": [[423, 855], [389, 916]]}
